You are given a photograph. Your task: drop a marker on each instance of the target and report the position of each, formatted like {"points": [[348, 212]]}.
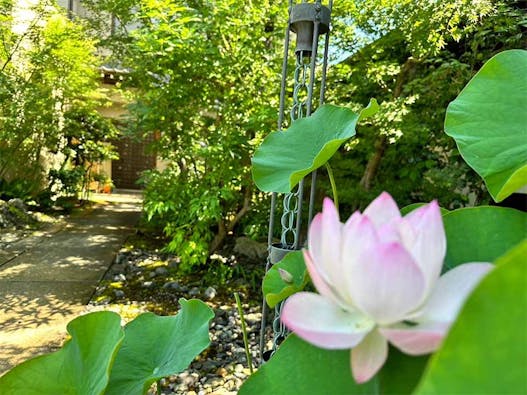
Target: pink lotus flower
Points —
{"points": [[378, 279]]}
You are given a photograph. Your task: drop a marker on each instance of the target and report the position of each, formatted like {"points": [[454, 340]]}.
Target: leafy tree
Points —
{"points": [[206, 78], [206, 85], [47, 73], [414, 57]]}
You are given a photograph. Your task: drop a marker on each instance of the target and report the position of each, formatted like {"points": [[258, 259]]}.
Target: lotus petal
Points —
{"points": [[386, 283], [320, 283], [416, 340], [382, 210], [324, 233], [427, 242], [319, 321], [368, 357], [451, 291], [359, 235]]}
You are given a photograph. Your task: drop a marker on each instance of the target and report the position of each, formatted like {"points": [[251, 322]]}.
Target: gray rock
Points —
{"points": [[209, 366], [253, 318], [161, 271], [147, 284], [121, 258], [251, 249], [119, 277], [190, 380], [4, 223], [215, 382], [210, 293], [173, 263], [172, 285], [119, 294], [194, 291], [17, 203]]}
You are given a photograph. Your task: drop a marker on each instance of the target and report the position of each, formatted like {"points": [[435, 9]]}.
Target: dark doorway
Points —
{"points": [[133, 160]]}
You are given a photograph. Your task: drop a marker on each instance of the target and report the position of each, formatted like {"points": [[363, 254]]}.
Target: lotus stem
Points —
{"points": [[333, 186], [244, 332]]}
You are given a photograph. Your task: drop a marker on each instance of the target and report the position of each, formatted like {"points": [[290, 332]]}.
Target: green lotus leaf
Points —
{"points": [[285, 157], [488, 120], [299, 368], [482, 234], [485, 351], [155, 347], [81, 367], [277, 288]]}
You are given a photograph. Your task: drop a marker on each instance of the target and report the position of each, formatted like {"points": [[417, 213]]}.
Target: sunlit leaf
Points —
{"points": [[285, 157], [82, 366], [155, 347], [488, 120]]}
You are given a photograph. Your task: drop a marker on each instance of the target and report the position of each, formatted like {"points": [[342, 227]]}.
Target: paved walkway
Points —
{"points": [[47, 278]]}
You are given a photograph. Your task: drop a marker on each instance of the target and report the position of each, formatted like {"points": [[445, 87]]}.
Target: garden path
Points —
{"points": [[47, 279]]}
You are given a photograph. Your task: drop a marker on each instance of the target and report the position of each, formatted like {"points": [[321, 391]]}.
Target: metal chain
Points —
{"points": [[289, 237], [303, 86], [292, 202], [300, 87], [280, 331]]}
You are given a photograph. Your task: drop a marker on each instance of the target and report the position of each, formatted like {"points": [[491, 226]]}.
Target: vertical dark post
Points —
{"points": [[70, 9], [310, 21]]}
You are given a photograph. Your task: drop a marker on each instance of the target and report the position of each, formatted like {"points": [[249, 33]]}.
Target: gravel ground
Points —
{"points": [[141, 280]]}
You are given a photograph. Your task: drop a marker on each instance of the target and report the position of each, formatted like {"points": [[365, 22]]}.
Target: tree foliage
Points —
{"points": [[47, 74], [206, 85], [206, 79], [414, 57]]}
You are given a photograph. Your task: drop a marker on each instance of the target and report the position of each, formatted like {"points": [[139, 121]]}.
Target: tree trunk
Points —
{"points": [[382, 142], [223, 230]]}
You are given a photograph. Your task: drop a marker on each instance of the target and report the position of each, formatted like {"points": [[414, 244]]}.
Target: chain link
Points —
{"points": [[292, 202], [289, 237], [280, 332], [301, 86]]}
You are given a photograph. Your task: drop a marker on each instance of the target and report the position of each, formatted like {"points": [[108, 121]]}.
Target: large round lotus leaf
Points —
{"points": [[81, 367], [155, 347], [488, 120], [482, 234], [285, 157], [486, 349], [299, 368]]}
